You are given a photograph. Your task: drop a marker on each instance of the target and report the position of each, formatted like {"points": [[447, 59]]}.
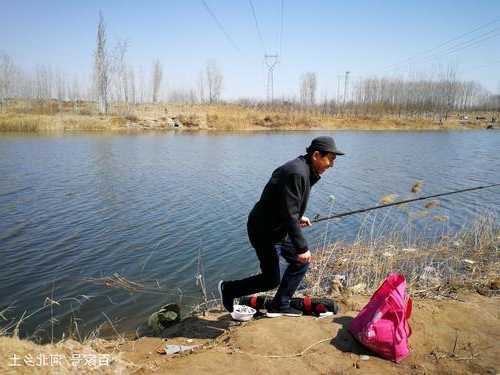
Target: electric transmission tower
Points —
{"points": [[271, 61]]}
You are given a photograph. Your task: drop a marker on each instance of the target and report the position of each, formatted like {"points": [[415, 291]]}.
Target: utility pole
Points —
{"points": [[338, 89], [270, 61], [345, 85]]}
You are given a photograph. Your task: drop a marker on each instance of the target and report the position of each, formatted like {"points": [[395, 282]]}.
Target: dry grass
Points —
{"points": [[60, 122], [65, 116], [467, 259]]}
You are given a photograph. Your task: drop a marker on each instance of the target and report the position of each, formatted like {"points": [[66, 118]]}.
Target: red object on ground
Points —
{"points": [[308, 305]]}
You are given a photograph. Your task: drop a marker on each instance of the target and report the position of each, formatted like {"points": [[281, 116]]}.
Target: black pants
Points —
{"points": [[269, 278]]}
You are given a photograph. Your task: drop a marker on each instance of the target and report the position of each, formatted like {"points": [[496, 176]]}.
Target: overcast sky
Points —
{"points": [[367, 38]]}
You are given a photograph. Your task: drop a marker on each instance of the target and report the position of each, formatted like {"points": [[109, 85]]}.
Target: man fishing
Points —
{"points": [[275, 224]]}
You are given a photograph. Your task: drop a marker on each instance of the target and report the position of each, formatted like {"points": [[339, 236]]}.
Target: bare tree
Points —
{"points": [[101, 68], [7, 75], [201, 87], [61, 88], [43, 83], [74, 93], [142, 85], [308, 88], [214, 79], [450, 90], [179, 96], [133, 94], [192, 97], [120, 72], [156, 81]]}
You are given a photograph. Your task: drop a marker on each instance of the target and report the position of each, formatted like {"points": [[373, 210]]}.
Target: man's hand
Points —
{"points": [[305, 257], [304, 222]]}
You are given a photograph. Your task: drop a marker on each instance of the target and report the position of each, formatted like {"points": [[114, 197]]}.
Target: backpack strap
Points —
{"points": [[408, 311], [400, 315]]}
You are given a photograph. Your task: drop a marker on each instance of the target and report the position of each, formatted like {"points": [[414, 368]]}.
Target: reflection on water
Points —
{"points": [[145, 206]]}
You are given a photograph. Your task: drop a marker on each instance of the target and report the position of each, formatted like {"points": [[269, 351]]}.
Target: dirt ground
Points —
{"points": [[458, 336]]}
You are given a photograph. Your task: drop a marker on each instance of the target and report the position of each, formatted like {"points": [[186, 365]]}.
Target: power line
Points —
{"points": [[281, 27], [444, 43], [426, 52], [466, 44], [472, 42], [257, 26], [463, 45], [221, 27]]}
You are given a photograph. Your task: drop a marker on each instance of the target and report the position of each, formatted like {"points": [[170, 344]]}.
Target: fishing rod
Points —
{"points": [[400, 202]]}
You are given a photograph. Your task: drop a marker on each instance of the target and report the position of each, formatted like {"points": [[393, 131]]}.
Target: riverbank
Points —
{"points": [[228, 117], [455, 284], [449, 336]]}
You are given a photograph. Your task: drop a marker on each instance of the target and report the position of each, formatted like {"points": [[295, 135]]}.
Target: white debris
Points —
{"points": [[325, 314], [174, 349], [409, 250], [339, 277], [361, 287]]}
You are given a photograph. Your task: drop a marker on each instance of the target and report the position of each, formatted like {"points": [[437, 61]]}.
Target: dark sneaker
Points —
{"points": [[227, 301], [289, 311]]}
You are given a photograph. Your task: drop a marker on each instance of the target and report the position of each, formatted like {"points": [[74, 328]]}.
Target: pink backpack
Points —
{"points": [[382, 325]]}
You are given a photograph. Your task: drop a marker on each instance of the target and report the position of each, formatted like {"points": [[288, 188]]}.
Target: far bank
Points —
{"points": [[66, 117]]}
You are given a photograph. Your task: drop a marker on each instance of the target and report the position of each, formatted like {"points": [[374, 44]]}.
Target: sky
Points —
{"points": [[367, 38]]}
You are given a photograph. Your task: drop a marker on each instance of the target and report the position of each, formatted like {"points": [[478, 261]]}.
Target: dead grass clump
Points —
{"points": [[189, 120], [132, 118], [304, 122], [20, 123], [86, 112], [38, 107], [441, 218], [387, 199], [417, 187], [269, 121], [432, 204], [118, 121]]}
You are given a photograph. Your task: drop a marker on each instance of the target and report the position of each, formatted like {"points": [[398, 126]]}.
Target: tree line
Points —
{"points": [[423, 97], [114, 80]]}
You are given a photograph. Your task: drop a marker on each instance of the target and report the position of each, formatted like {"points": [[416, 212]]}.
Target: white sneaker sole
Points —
{"points": [[277, 315]]}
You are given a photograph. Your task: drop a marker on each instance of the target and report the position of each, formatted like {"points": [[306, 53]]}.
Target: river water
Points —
{"points": [[146, 206]]}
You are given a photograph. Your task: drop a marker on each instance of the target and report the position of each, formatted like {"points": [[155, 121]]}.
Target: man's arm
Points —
{"points": [[290, 211]]}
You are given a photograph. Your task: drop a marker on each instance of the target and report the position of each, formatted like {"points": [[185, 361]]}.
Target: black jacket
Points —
{"points": [[283, 202]]}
